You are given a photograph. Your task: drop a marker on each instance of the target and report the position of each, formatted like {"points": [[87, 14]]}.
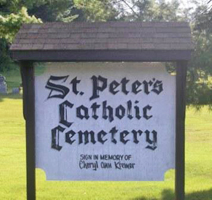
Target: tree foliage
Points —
{"points": [[203, 18], [148, 10], [96, 10], [200, 66], [54, 10], [6, 62], [10, 24]]}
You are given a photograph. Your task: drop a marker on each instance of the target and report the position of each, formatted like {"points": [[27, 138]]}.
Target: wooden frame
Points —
{"points": [[102, 55], [27, 72], [180, 131]]}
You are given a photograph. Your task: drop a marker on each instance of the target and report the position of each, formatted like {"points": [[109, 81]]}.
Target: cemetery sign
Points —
{"points": [[105, 121], [105, 107]]}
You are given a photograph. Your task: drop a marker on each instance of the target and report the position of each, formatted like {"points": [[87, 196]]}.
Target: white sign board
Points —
{"points": [[105, 121]]}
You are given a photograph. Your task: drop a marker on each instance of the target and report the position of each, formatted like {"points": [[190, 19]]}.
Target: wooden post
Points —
{"points": [[180, 130], [27, 73]]}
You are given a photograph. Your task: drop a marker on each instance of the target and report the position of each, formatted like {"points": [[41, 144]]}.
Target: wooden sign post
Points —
{"points": [[112, 104]]}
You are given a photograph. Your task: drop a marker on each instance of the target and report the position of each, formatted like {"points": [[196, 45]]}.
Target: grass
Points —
{"points": [[13, 170]]}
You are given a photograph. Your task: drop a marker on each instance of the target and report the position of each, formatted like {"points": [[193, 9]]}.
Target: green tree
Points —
{"points": [[148, 10], [10, 23], [6, 62], [200, 66], [203, 17], [54, 10], [96, 10]]}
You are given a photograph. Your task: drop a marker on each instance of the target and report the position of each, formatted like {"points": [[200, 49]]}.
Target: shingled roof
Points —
{"points": [[99, 37]]}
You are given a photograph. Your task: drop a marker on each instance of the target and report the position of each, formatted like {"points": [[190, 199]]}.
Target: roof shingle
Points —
{"points": [[104, 36]]}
